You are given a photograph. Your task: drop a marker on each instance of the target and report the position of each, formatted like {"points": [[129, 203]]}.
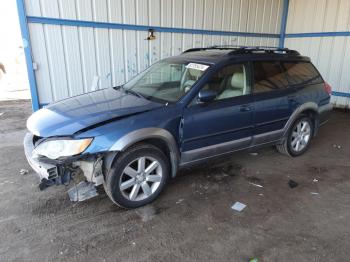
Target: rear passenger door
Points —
{"points": [[273, 101]]}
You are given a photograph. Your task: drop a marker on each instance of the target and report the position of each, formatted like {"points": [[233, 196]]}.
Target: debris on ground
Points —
{"points": [[23, 171], [253, 179], [315, 180], [257, 185], [179, 201], [292, 183], [238, 206], [314, 193], [231, 170], [6, 182], [1, 113], [146, 213], [83, 191], [337, 146], [253, 154]]}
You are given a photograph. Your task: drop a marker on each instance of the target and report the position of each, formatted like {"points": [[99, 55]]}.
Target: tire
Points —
{"points": [[128, 183], [290, 145]]}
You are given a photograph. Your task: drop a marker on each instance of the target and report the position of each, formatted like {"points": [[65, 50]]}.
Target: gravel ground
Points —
{"points": [[192, 220]]}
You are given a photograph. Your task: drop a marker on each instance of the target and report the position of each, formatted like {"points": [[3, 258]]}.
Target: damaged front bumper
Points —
{"points": [[62, 172], [45, 171]]}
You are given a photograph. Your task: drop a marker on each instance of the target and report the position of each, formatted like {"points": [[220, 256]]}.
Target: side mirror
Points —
{"points": [[206, 96]]}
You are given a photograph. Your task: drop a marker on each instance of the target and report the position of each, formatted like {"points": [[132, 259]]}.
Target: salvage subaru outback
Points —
{"points": [[181, 111]]}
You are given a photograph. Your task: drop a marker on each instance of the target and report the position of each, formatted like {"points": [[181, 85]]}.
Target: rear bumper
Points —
{"points": [[43, 170], [324, 113]]}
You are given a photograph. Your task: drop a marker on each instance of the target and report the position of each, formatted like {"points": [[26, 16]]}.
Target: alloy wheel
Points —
{"points": [[140, 178], [301, 135]]}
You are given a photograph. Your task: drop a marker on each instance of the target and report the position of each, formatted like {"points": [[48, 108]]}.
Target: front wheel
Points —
{"points": [[138, 176], [298, 138]]}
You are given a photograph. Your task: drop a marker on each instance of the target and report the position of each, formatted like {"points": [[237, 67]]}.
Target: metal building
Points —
{"points": [[320, 29], [75, 46]]}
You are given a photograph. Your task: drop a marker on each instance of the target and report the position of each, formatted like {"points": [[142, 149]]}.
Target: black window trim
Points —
{"points": [[308, 82], [282, 70], [248, 68]]}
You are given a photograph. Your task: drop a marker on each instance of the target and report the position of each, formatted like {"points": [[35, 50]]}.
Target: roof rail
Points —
{"points": [[263, 49], [246, 49], [206, 48]]}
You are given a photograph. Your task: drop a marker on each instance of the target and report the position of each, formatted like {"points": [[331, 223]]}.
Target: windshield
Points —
{"points": [[166, 81]]}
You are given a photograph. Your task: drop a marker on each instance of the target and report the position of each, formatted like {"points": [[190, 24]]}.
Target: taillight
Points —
{"points": [[328, 88]]}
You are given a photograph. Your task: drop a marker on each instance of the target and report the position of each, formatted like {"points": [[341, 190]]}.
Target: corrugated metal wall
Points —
{"points": [[331, 55], [70, 59]]}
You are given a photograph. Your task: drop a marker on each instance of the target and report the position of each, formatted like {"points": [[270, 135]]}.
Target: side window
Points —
{"points": [[268, 76], [301, 73], [230, 81]]}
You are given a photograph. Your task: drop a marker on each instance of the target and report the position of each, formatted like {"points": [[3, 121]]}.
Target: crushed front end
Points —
{"points": [[62, 171]]}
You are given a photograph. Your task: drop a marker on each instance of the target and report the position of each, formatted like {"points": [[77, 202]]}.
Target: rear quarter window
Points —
{"points": [[268, 76], [301, 73]]}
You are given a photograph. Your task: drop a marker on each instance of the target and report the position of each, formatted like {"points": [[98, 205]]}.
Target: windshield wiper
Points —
{"points": [[129, 91]]}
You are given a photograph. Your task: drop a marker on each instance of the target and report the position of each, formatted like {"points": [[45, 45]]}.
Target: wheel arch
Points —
{"points": [[309, 109], [158, 137]]}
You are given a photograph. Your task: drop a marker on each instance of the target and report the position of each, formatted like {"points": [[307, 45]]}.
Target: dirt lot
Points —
{"points": [[192, 220]]}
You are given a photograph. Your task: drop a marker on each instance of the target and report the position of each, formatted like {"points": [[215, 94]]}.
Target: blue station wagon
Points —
{"points": [[181, 111]]}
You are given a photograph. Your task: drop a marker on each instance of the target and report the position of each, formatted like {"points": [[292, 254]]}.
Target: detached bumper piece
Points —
{"points": [[62, 174], [83, 191]]}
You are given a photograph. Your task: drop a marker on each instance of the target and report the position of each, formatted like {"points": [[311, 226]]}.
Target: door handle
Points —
{"points": [[292, 99], [245, 108]]}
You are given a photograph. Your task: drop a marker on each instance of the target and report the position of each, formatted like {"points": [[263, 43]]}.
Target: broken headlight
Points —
{"points": [[54, 149]]}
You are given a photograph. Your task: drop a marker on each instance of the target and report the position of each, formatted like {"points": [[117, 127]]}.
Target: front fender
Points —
{"points": [[150, 133]]}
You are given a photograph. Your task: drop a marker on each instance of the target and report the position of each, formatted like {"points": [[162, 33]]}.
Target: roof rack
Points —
{"points": [[236, 50]]}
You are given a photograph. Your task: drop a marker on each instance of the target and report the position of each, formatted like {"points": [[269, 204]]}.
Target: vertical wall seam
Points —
{"points": [[149, 42], [194, 22], [183, 23], [80, 51], [124, 42], [231, 20], [213, 21], [137, 36], [332, 40], [262, 21], [278, 18], [53, 95], [203, 20], [239, 21], [172, 23], [63, 39], [47, 54], [344, 51], [222, 20]]}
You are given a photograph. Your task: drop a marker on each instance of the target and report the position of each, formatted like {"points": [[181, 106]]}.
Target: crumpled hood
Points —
{"points": [[71, 115]]}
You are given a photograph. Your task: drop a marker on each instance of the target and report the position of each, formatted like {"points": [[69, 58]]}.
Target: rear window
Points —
{"points": [[268, 76], [300, 73]]}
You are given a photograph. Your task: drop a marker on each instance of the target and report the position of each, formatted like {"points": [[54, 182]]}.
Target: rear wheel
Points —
{"points": [[138, 176], [298, 138]]}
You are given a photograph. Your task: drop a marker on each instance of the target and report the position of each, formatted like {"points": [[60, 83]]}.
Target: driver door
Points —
{"points": [[223, 125]]}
